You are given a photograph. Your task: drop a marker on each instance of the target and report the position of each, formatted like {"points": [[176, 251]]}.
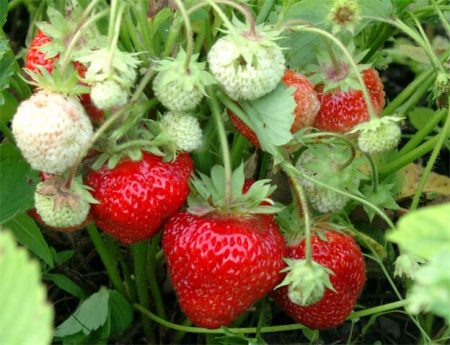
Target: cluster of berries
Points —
{"points": [[223, 255]]}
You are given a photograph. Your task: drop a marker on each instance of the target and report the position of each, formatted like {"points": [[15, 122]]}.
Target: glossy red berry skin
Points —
{"points": [[341, 111], [343, 256], [304, 113], [220, 265], [136, 198], [242, 128], [35, 59]]}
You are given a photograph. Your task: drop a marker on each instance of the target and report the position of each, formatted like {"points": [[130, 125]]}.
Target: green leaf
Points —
{"points": [[121, 313], [271, 117], [424, 232], [17, 183], [3, 12], [6, 66], [8, 108], [29, 235], [66, 284], [431, 289], [420, 116], [26, 317], [90, 315], [63, 256], [382, 198], [303, 46]]}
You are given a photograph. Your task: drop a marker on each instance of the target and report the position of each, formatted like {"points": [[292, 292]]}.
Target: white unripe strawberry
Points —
{"points": [[378, 135], [183, 129], [108, 94], [173, 96], [327, 164], [247, 67], [179, 89], [51, 131]]}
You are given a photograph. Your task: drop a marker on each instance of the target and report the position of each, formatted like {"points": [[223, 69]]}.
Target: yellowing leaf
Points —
{"points": [[412, 173]]}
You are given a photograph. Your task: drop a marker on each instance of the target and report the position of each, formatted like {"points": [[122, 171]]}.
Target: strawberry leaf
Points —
{"points": [[25, 317], [271, 117]]}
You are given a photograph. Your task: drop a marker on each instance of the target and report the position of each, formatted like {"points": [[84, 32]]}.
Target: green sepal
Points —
{"points": [[325, 73], [172, 69], [65, 83], [208, 194], [122, 63], [61, 28], [306, 281], [82, 190]]}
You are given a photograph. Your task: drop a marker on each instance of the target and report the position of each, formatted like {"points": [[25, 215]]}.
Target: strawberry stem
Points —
{"points": [[241, 8], [326, 34], [268, 329], [106, 259], [115, 37], [139, 252], [76, 37], [337, 67], [440, 142], [114, 117], [301, 204], [246, 13], [189, 34], [214, 104]]}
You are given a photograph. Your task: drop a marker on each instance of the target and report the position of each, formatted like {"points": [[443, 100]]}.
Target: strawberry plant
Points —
{"points": [[224, 171]]}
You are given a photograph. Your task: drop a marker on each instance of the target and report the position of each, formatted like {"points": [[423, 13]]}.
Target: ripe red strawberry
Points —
{"points": [[342, 255], [341, 111], [136, 197], [305, 111], [221, 264], [35, 59], [242, 128]]}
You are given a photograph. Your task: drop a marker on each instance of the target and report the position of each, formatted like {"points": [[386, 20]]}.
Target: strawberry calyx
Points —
{"points": [[331, 74], [208, 194], [174, 133], [344, 16], [173, 76], [58, 81], [306, 281], [102, 66], [60, 205]]}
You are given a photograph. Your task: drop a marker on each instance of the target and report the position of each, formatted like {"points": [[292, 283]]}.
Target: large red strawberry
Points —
{"points": [[340, 254], [221, 264], [305, 111], [225, 256], [136, 197], [35, 58], [340, 111]]}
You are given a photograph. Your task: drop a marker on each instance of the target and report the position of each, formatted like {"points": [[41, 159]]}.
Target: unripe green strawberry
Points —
{"points": [[178, 89], [328, 164], [378, 135], [247, 66], [60, 208], [108, 94], [184, 129], [51, 131]]}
